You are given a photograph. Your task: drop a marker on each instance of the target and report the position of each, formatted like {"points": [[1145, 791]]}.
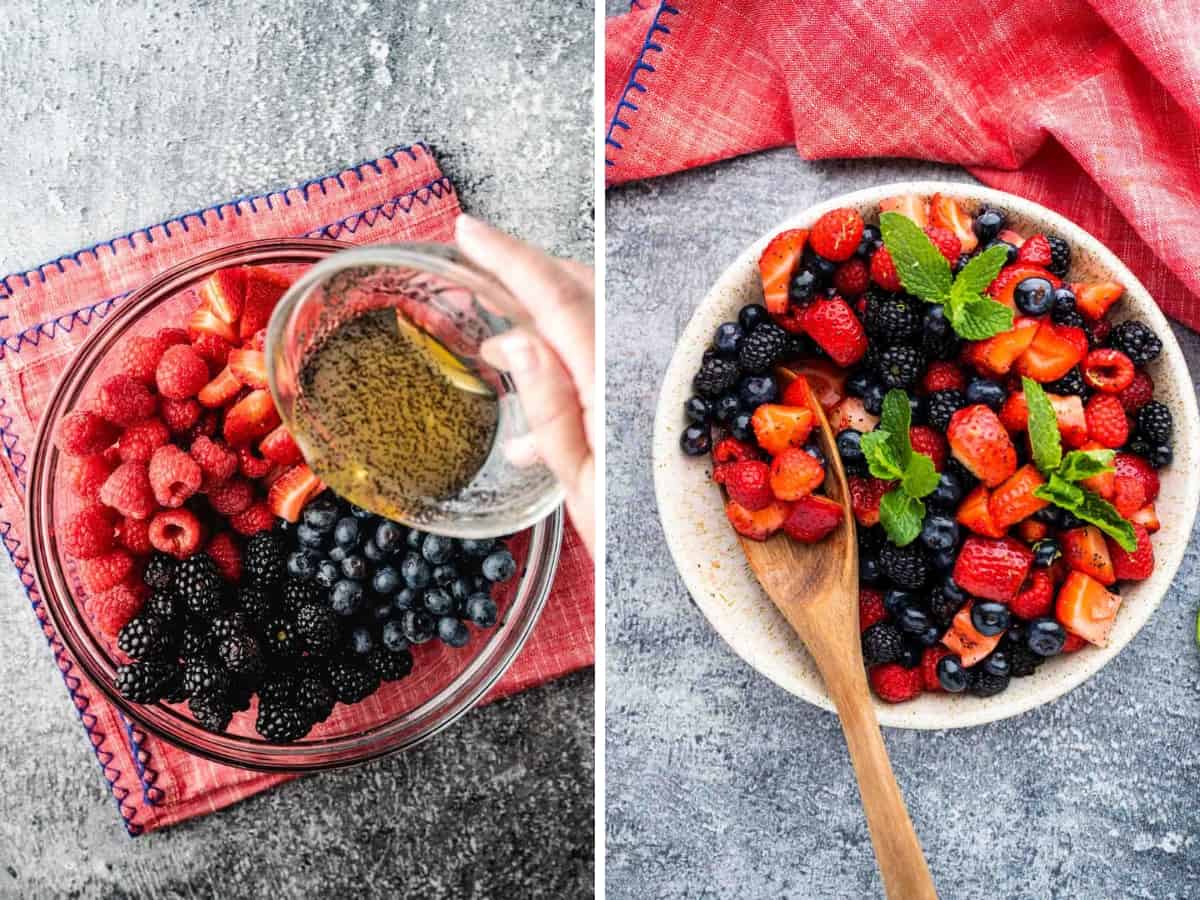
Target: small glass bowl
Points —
{"points": [[445, 682]]}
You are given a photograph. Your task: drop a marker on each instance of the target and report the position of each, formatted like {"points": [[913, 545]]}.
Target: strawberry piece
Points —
{"points": [[292, 490], [943, 375], [1011, 237], [252, 465], [836, 329], [123, 400], [258, 341], [1072, 421], [996, 355], [945, 212], [992, 568], [113, 609], [865, 494], [250, 418], [204, 321], [1037, 598], [1134, 566], [871, 610], [227, 555], [964, 640], [1085, 551], [176, 532], [249, 367], [929, 663], [83, 433], [280, 447], [1073, 643], [1035, 252], [837, 234], [86, 475], [181, 373], [1031, 531], [794, 474], [1052, 353], [1014, 500], [1005, 284], [264, 288], [134, 536], [818, 377], [1137, 393], [883, 271], [748, 483], [138, 357], [730, 449], [777, 427], [925, 440], [1077, 337], [776, 266], [221, 390], [217, 462], [1014, 414], [756, 525], [88, 533], [812, 518], [1093, 299], [980, 442], [128, 491], [100, 573], [1110, 371], [231, 497], [852, 278], [174, 476], [1131, 469], [212, 349], [1086, 608], [178, 415], [850, 413], [224, 293], [946, 241], [912, 206], [1106, 421], [975, 513], [892, 683], [1147, 517], [139, 441], [1105, 484]]}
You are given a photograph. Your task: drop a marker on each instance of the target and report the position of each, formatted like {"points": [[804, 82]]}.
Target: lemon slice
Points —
{"points": [[449, 365]]}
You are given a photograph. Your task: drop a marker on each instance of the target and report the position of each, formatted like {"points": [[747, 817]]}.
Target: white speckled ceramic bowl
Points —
{"points": [[706, 549]]}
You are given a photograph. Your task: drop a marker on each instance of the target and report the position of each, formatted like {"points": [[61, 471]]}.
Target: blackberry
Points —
{"points": [[1155, 424], [144, 682], [198, 584], [196, 642], [203, 676], [716, 377], [174, 691], [752, 316], [278, 688], [1135, 340], [264, 559], [164, 606], [255, 604], [905, 566], [1061, 316], [1022, 662], [985, 684], [241, 656], [901, 366], [212, 711], [314, 697], [297, 593], [1161, 457], [281, 638], [145, 637], [1071, 383], [943, 606], [762, 348], [352, 682], [881, 643], [943, 405], [281, 723], [892, 318], [228, 625], [389, 666], [318, 628], [1060, 255], [159, 571]]}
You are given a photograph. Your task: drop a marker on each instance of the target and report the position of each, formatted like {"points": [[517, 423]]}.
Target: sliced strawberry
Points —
{"points": [[865, 494], [250, 418], [992, 568], [777, 427], [1037, 597], [776, 266], [1014, 500], [812, 518], [1132, 469], [1134, 566], [1052, 354], [826, 381], [980, 442], [1072, 420], [264, 287], [837, 234], [996, 355], [975, 513], [1085, 551], [836, 329], [1005, 284], [795, 474], [965, 640], [1094, 298], [1106, 484], [1036, 251], [221, 390], [945, 212], [1011, 237], [912, 206], [1147, 517], [225, 292], [204, 321], [760, 525], [1087, 609], [1031, 531], [280, 447], [851, 413], [291, 491]]}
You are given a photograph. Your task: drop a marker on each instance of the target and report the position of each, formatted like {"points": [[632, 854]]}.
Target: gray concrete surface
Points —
{"points": [[719, 784], [119, 114]]}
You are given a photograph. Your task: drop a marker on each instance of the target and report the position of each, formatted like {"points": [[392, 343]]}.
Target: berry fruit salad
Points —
{"points": [[220, 567], [998, 429]]}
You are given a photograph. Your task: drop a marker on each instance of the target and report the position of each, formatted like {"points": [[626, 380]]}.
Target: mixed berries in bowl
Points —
{"points": [[1012, 413], [207, 581]]}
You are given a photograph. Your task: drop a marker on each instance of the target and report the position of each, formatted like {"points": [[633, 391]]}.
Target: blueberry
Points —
{"points": [[910, 655], [996, 663], [388, 536], [419, 626], [953, 592], [728, 339], [372, 552], [1068, 520], [988, 224], [479, 583], [869, 571], [337, 554], [951, 675], [477, 549], [346, 597], [309, 536], [752, 316], [726, 407], [818, 265], [930, 636], [985, 391], [989, 617], [912, 618], [414, 538], [1045, 552], [696, 440], [393, 636], [1161, 456], [437, 549], [960, 263], [849, 447], [381, 611], [1012, 251], [947, 493], [858, 383], [802, 286], [345, 533], [757, 390], [443, 576], [813, 449], [939, 532], [452, 632], [1034, 296], [405, 598], [416, 572], [481, 609], [897, 598], [499, 566], [1064, 300], [387, 580], [439, 602], [354, 567], [944, 560], [698, 410], [1048, 515], [1045, 637], [741, 428], [872, 399], [871, 241], [302, 564], [328, 572], [460, 589], [361, 642], [321, 513], [359, 513]]}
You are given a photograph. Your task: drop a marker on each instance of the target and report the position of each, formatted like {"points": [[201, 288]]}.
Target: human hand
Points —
{"points": [[552, 360]]}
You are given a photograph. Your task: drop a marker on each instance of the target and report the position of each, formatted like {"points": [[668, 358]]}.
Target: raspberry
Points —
{"points": [[181, 373], [176, 532], [232, 497], [254, 519], [138, 357], [748, 484], [851, 278], [1139, 392], [931, 443], [943, 376], [179, 415], [870, 608], [893, 683], [1036, 251], [124, 400], [837, 234], [205, 426], [88, 533], [216, 461], [1108, 370], [83, 433], [128, 491], [169, 337], [946, 241], [929, 662], [1037, 598], [105, 571], [865, 495], [226, 553], [134, 536], [113, 609], [1106, 421], [174, 476], [730, 449], [212, 350], [883, 271], [140, 440], [252, 465], [86, 475]]}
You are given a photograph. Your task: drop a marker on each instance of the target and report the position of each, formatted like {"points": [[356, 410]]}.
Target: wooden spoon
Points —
{"points": [[815, 586]]}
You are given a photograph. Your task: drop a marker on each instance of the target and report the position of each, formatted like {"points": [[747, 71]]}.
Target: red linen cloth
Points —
{"points": [[46, 314], [1090, 107]]}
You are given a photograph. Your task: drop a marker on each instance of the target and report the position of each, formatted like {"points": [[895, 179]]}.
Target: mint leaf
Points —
{"points": [[980, 318], [1082, 464], [921, 477], [922, 268], [896, 419], [1044, 439], [979, 272], [1059, 492], [1089, 507], [882, 460], [901, 516]]}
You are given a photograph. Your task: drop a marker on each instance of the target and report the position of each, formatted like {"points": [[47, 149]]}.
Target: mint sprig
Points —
{"points": [[925, 273], [1063, 473], [890, 457]]}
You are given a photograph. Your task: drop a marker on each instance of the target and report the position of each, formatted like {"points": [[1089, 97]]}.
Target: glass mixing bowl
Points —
{"points": [[445, 682]]}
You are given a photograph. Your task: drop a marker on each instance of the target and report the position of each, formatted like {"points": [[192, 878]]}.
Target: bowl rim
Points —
{"points": [[71, 623], [978, 711]]}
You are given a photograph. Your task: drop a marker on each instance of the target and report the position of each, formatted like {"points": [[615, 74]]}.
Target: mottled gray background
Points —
{"points": [[720, 784], [120, 114]]}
